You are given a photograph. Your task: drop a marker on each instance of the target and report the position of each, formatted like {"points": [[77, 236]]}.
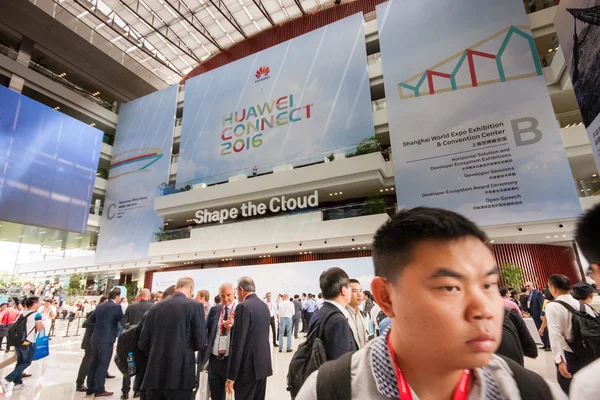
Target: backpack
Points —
{"points": [[308, 358], [17, 333], [334, 380], [586, 334], [128, 343]]}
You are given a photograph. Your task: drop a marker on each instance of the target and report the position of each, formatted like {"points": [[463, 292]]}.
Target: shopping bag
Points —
{"points": [[42, 348]]}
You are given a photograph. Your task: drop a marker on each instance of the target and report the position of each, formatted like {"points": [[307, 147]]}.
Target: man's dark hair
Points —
{"points": [[296, 297], [523, 289], [102, 299], [395, 240], [170, 291], [586, 235], [332, 281], [560, 282], [217, 299], [4, 304], [354, 281], [503, 291], [30, 301], [304, 294], [247, 284], [114, 293], [582, 291], [320, 295]]}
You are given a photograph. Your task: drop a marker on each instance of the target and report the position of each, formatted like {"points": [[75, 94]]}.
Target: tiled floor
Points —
{"points": [[54, 377]]}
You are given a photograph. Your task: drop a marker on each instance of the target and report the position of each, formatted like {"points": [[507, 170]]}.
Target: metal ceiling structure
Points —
{"points": [[170, 37]]}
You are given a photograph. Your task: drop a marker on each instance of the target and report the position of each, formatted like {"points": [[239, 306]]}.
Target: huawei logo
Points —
{"points": [[262, 74]]}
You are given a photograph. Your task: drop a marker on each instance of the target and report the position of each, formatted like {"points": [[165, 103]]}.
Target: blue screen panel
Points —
{"points": [[48, 164]]}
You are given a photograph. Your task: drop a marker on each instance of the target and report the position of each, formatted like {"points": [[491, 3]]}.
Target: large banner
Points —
{"points": [[140, 163], [471, 123], [48, 164], [274, 278], [578, 28], [293, 103]]}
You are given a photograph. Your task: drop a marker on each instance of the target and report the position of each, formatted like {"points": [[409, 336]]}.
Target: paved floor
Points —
{"points": [[54, 377]]}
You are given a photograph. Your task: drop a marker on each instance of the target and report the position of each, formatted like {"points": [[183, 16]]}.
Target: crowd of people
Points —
{"points": [[435, 325]]}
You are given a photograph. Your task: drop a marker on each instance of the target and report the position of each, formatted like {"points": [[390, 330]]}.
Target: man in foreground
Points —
{"points": [[173, 330], [586, 383], [218, 331], [250, 353], [106, 320], [438, 282]]}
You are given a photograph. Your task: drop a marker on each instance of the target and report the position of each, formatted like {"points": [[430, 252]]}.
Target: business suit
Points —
{"points": [[133, 315], [250, 353], [217, 364], [535, 306], [106, 319], [337, 334], [173, 330], [523, 299], [86, 345], [297, 317]]}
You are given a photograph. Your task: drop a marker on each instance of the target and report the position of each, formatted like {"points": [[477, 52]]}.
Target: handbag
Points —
{"points": [[42, 349]]}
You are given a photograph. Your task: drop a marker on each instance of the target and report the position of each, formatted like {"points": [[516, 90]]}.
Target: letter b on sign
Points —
{"points": [[525, 131]]}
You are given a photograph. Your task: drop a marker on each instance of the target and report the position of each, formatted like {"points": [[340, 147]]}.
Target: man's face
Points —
{"points": [[447, 302], [529, 287], [3, 308], [226, 295], [158, 297], [268, 296], [357, 295]]}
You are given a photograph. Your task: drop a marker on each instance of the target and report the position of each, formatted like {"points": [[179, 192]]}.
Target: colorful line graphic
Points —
{"points": [[469, 54], [142, 157]]}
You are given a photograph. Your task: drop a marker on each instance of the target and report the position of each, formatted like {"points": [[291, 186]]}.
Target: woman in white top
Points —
{"points": [[48, 314]]}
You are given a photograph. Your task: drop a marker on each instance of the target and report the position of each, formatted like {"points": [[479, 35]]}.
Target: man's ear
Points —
{"points": [[380, 289]]}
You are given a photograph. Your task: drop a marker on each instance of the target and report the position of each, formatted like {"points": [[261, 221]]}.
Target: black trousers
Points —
{"points": [[126, 385], [274, 329], [217, 376], [100, 360], [254, 390], [573, 365], [308, 318], [304, 323], [169, 394], [295, 324], [83, 368]]}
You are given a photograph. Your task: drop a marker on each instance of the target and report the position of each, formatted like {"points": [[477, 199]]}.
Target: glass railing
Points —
{"points": [[380, 104], [108, 139], [257, 170], [174, 158], [93, 210], [328, 214], [7, 51], [60, 79], [178, 121], [532, 6], [373, 58], [569, 119], [588, 188]]}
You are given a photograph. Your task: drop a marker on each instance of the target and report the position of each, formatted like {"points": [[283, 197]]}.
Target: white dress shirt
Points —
{"points": [[272, 308], [286, 309], [339, 306], [560, 327], [215, 346]]}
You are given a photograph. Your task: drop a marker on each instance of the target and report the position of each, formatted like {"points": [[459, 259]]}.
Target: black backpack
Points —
{"points": [[308, 358], [128, 343], [17, 333], [586, 334], [334, 380]]}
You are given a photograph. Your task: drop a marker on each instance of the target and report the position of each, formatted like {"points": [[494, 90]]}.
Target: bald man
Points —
{"points": [[133, 316]]}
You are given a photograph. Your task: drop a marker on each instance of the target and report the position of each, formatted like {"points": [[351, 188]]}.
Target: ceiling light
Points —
{"points": [[331, 194], [550, 50], [340, 192], [556, 236], [595, 175], [392, 189], [95, 94], [547, 237], [353, 248], [381, 190], [270, 255], [564, 236], [57, 108], [387, 190], [492, 241], [364, 247], [93, 124]]}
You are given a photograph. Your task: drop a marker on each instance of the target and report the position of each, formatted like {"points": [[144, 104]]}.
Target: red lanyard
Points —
{"points": [[460, 392]]}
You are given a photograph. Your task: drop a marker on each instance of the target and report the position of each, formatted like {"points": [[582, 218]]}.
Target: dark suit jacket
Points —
{"points": [[135, 312], [89, 329], [250, 351], [523, 301], [172, 331], [212, 324], [337, 334], [106, 319], [537, 301], [297, 310], [516, 339]]}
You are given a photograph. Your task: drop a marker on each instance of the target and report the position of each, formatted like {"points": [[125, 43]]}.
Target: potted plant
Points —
{"points": [[511, 274]]}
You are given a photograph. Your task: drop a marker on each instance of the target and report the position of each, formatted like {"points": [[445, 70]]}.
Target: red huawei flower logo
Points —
{"points": [[262, 72]]}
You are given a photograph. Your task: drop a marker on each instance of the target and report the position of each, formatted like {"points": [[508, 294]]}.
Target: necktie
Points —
{"points": [[225, 317]]}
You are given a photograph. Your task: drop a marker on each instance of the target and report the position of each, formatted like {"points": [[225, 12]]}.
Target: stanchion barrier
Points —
{"points": [[78, 325], [51, 333]]}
